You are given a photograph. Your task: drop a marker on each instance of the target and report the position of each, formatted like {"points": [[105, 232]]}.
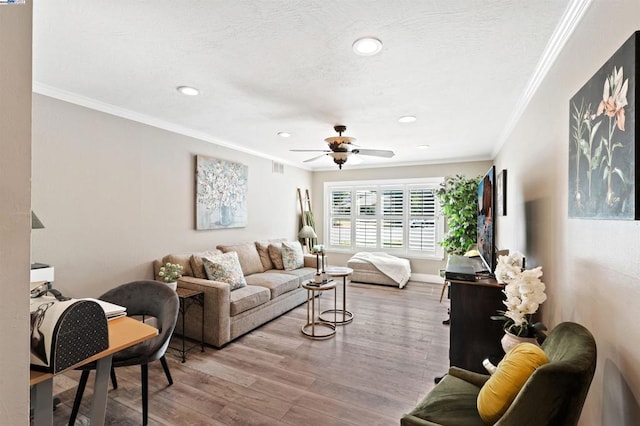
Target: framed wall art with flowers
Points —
{"points": [[603, 155], [221, 193]]}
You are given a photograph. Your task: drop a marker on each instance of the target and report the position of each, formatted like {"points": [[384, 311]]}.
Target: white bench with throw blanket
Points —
{"points": [[379, 268]]}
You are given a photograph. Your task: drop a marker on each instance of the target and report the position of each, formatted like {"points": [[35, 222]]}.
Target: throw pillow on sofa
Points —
{"points": [[247, 256], [275, 253], [292, 256], [225, 268], [197, 266], [263, 252]]}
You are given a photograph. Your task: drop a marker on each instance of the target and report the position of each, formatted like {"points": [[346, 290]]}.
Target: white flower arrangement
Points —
{"points": [[170, 272], [524, 293]]}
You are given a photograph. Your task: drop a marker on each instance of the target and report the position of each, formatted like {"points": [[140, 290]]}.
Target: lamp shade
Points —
{"points": [[35, 222], [307, 232]]}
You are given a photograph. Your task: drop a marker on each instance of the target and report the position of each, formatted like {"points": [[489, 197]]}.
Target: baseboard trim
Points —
{"points": [[427, 278]]}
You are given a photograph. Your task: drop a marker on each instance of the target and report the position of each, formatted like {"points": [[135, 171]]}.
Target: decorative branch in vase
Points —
{"points": [[524, 293]]}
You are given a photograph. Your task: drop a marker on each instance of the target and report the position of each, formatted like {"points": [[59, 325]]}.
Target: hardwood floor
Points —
{"points": [[373, 371]]}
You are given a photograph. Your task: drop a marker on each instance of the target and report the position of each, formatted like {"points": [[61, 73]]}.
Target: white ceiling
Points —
{"points": [[462, 67]]}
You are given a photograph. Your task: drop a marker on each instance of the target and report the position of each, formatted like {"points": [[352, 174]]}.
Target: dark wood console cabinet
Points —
{"points": [[473, 335]]}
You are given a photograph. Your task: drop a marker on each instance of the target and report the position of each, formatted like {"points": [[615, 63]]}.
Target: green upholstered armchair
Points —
{"points": [[553, 395]]}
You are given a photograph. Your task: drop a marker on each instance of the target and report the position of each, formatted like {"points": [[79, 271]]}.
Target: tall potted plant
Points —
{"points": [[458, 196]]}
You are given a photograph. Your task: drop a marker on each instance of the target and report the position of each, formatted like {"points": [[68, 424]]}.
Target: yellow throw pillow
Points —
{"points": [[503, 386]]}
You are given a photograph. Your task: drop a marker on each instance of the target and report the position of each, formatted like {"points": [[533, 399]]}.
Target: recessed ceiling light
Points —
{"points": [[367, 46], [423, 146], [284, 134], [189, 91], [407, 119]]}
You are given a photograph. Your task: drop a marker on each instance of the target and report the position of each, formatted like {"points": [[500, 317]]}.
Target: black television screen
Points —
{"points": [[486, 219]]}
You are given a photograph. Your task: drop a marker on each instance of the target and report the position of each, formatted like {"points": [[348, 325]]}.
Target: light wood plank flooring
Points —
{"points": [[373, 371]]}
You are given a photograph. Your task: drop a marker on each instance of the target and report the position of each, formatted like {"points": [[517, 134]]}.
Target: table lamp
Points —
{"points": [[307, 233]]}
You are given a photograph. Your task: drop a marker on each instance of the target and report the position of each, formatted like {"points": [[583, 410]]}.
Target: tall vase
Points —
{"points": [[509, 340], [225, 215]]}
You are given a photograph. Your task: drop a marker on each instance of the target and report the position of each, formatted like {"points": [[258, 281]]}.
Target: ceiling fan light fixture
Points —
{"points": [[367, 46], [339, 158], [284, 134], [407, 119], [188, 90]]}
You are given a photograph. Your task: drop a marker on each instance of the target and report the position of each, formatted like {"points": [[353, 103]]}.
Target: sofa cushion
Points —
{"points": [[304, 274], [277, 283], [275, 253], [197, 267], [182, 260], [292, 256], [247, 255], [503, 386], [248, 297], [225, 268]]}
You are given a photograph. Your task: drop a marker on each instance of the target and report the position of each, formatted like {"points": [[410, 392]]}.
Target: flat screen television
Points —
{"points": [[486, 219]]}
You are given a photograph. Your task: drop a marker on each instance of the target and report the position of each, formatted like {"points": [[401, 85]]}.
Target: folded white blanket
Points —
{"points": [[396, 268]]}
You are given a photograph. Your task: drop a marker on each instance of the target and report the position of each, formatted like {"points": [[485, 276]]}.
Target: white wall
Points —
{"points": [[15, 216], [115, 194], [428, 267], [591, 267]]}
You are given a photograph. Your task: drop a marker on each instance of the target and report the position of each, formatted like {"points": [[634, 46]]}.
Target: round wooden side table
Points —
{"points": [[316, 328], [347, 317]]}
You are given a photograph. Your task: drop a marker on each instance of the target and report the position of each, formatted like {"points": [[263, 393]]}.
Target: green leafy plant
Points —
{"points": [[170, 272], [458, 196]]}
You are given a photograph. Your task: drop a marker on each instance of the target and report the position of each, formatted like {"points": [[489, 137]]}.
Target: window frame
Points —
{"points": [[379, 187]]}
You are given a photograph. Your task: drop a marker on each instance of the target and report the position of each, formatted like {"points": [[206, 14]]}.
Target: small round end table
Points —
{"points": [[317, 328], [347, 317]]}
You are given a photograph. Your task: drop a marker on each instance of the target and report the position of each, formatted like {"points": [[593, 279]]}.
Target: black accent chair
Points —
{"points": [[147, 299]]}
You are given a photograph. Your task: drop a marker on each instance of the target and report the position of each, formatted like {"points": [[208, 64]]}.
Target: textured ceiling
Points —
{"points": [[460, 66]]}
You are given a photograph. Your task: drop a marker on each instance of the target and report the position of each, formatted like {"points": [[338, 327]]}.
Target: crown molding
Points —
{"points": [[74, 98], [567, 25]]}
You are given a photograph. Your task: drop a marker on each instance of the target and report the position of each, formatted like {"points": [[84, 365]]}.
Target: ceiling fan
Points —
{"points": [[340, 148]]}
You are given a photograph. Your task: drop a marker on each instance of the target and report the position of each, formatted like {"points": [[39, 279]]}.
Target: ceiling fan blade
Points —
{"points": [[310, 150], [315, 158], [374, 152]]}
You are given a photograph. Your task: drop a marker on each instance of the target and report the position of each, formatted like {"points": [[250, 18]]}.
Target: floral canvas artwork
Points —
{"points": [[602, 141], [221, 194]]}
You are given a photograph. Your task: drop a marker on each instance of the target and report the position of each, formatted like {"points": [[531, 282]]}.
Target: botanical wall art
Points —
{"points": [[221, 194], [602, 141]]}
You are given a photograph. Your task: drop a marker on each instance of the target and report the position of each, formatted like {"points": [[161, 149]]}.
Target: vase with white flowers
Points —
{"points": [[524, 293], [170, 274]]}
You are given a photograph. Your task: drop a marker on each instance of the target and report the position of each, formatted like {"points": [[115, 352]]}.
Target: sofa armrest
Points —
{"points": [[469, 376], [217, 305], [310, 260]]}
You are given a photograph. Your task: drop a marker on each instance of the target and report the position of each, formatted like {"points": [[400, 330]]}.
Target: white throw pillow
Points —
{"points": [[292, 256], [226, 268]]}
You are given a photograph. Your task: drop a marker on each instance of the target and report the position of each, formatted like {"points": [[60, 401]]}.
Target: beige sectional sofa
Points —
{"points": [[270, 291]]}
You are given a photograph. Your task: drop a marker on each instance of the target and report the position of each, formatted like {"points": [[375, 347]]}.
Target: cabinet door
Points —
{"points": [[473, 335]]}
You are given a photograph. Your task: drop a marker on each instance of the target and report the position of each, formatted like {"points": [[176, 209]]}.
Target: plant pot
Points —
{"points": [[510, 340], [173, 285]]}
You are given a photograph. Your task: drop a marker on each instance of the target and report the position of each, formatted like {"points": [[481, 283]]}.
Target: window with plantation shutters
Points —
{"points": [[340, 222], [366, 223], [422, 219], [399, 217], [392, 225]]}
